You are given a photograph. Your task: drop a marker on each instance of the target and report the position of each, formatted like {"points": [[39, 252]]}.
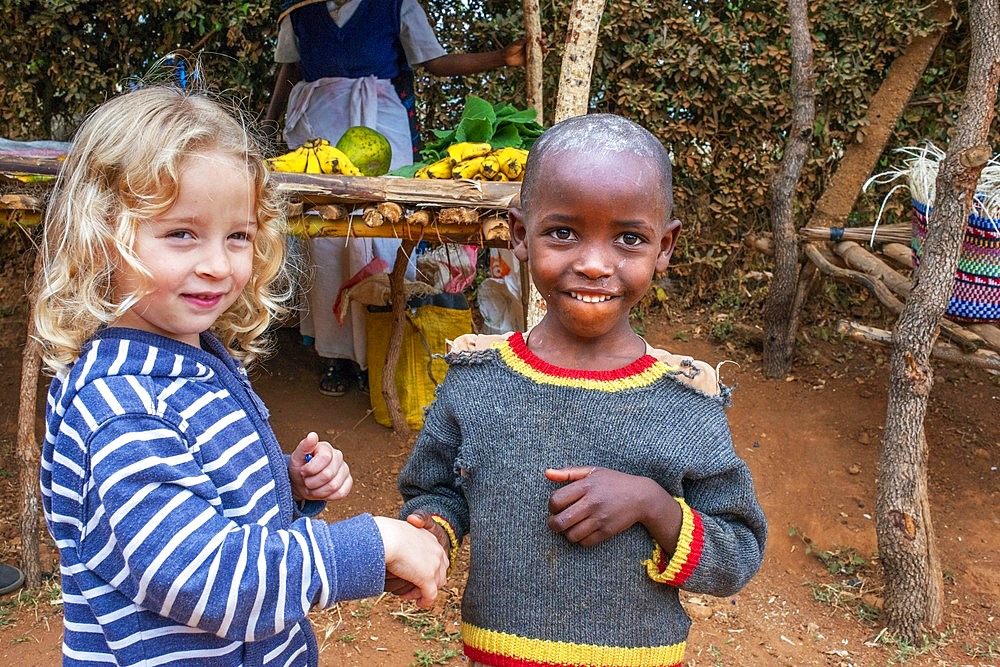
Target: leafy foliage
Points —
{"points": [[709, 77], [500, 125]]}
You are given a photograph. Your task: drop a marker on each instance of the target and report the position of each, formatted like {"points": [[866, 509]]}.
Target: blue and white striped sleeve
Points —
{"points": [[154, 528]]}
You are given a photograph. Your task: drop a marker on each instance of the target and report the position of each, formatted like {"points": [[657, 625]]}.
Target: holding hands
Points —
{"points": [[416, 564], [423, 521], [415, 561], [318, 471]]}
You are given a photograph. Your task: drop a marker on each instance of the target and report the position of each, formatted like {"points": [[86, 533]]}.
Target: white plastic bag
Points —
{"points": [[499, 296]]}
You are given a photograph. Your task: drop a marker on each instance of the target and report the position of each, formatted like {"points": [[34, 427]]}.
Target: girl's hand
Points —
{"points": [[418, 519], [416, 565], [317, 471]]}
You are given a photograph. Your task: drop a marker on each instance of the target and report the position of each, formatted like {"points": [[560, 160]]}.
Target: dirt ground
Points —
{"points": [[811, 441]]}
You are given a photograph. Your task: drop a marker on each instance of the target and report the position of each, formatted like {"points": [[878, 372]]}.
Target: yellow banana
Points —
{"points": [[491, 167], [512, 162], [294, 161], [468, 149], [440, 169], [332, 160], [316, 156], [469, 168]]}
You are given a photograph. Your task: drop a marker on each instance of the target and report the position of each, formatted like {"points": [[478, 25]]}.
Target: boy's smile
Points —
{"points": [[594, 236], [200, 251]]}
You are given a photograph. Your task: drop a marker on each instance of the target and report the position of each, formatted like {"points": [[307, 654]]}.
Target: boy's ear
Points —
{"points": [[518, 233], [667, 243]]}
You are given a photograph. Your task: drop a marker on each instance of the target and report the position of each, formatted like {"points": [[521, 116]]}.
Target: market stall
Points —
{"points": [[413, 210]]}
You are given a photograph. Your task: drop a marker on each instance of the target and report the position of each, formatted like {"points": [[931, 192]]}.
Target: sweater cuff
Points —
{"points": [[359, 556], [687, 555], [452, 539]]}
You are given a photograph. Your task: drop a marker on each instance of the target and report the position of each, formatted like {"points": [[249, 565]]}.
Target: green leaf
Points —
{"points": [[407, 171], [506, 135], [524, 116], [474, 129], [476, 108]]}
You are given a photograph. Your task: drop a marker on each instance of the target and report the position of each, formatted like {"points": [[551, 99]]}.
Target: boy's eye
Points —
{"points": [[562, 233], [631, 239]]}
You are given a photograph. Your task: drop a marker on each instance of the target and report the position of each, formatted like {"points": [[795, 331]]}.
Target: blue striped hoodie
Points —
{"points": [[168, 497]]}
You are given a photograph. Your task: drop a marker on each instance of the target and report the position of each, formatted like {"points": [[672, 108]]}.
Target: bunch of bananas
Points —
{"points": [[477, 161], [316, 156]]}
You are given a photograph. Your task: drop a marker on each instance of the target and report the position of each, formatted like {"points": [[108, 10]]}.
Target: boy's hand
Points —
{"points": [[598, 503], [416, 565], [421, 519], [317, 471], [418, 519]]}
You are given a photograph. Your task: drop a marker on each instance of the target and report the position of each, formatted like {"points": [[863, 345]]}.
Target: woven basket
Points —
{"points": [[976, 293]]}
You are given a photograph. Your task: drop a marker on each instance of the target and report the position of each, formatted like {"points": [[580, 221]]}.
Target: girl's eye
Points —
{"points": [[631, 239], [180, 234], [240, 236]]}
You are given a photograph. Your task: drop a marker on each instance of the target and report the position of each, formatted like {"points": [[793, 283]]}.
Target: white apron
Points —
{"points": [[325, 109]]}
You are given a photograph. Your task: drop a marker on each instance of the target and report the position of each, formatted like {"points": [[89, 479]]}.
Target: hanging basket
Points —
{"points": [[975, 296]]}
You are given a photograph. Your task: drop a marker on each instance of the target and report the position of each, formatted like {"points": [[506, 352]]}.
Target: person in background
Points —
{"points": [[611, 481], [185, 535], [343, 64]]}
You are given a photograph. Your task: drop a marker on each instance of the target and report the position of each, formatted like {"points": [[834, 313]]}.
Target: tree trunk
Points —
{"points": [[780, 311], [907, 550], [534, 49], [573, 97], [27, 450]]}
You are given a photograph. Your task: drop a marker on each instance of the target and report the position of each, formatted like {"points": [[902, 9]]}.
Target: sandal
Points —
{"points": [[363, 381], [337, 378]]}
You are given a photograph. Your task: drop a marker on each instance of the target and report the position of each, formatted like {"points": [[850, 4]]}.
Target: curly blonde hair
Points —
{"points": [[123, 168]]}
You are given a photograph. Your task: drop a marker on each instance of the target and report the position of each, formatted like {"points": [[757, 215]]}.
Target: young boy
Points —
{"points": [[595, 475]]}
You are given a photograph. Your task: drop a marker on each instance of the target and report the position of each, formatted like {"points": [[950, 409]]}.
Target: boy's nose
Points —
{"points": [[593, 262]]}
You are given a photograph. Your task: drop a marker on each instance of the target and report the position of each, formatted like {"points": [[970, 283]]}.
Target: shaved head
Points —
{"points": [[601, 134]]}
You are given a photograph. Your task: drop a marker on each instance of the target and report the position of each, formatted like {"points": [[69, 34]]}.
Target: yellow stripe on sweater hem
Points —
{"points": [[566, 653]]}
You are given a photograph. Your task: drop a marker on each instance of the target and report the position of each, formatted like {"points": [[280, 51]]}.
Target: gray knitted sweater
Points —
{"points": [[500, 418]]}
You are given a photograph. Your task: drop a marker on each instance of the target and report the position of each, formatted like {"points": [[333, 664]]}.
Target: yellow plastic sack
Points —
{"points": [[426, 328]]}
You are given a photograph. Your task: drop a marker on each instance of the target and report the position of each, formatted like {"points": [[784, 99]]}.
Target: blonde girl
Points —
{"points": [[124, 168], [185, 535]]}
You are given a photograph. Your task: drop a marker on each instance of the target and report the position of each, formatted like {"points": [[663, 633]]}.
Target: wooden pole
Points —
{"points": [[397, 290], [27, 450], [944, 351], [886, 106], [573, 97]]}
